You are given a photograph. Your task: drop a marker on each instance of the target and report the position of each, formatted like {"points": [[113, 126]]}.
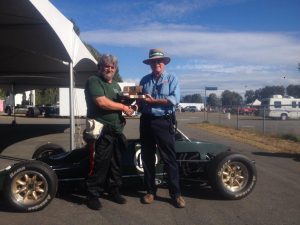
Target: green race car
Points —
{"points": [[30, 185]]}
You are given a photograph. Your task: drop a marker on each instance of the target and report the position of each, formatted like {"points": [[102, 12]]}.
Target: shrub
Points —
{"points": [[291, 137]]}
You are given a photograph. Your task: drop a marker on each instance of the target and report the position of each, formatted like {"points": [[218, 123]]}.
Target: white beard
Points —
{"points": [[108, 76]]}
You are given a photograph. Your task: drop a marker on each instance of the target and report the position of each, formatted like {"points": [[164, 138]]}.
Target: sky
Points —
{"points": [[234, 45]]}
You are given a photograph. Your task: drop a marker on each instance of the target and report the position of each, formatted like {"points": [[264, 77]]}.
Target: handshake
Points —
{"points": [[129, 110]]}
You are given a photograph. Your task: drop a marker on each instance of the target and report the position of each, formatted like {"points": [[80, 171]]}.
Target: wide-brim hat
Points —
{"points": [[155, 54]]}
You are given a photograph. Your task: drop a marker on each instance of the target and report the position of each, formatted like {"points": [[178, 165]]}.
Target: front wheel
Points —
{"points": [[30, 186], [232, 175], [47, 150]]}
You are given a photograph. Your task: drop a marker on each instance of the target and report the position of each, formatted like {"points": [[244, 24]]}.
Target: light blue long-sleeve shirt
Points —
{"points": [[166, 87]]}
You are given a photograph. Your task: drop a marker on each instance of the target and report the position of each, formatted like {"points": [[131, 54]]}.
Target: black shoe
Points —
{"points": [[117, 198], [94, 203]]}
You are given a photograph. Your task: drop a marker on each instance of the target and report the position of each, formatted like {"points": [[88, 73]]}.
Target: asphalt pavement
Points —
{"points": [[275, 199]]}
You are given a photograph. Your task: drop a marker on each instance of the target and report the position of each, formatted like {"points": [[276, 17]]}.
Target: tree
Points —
{"points": [[268, 91], [250, 96], [75, 27], [2, 94], [94, 51], [49, 96], [230, 98], [186, 99], [195, 98], [117, 76], [213, 100], [293, 90], [257, 94]]}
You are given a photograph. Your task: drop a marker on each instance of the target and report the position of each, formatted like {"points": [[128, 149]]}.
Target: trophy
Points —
{"points": [[133, 92]]}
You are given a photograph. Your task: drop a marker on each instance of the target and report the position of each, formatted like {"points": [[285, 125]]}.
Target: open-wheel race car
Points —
{"points": [[30, 185]]}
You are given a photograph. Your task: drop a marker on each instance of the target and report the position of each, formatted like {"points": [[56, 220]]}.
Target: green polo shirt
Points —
{"points": [[95, 87]]}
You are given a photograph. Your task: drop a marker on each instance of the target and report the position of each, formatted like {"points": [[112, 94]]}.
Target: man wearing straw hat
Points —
{"points": [[157, 125]]}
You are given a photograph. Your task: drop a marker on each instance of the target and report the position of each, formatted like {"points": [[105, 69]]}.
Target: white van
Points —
{"points": [[281, 107]]}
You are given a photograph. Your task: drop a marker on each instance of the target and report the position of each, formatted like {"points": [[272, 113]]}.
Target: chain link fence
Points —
{"points": [[251, 118]]}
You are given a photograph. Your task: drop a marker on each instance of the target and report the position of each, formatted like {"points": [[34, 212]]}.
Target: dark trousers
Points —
{"points": [[159, 132], [107, 164]]}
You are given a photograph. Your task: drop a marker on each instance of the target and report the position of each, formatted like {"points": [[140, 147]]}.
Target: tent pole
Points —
{"points": [[71, 100], [13, 105]]}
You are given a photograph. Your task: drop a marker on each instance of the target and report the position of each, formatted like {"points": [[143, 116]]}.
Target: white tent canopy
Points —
{"points": [[39, 48], [256, 103], [37, 45]]}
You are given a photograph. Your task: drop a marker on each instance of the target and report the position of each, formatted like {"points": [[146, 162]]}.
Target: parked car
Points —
{"points": [[42, 109], [30, 185], [51, 111], [190, 109], [18, 109], [33, 112], [247, 110], [242, 110]]}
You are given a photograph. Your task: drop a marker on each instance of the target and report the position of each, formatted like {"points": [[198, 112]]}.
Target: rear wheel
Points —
{"points": [[47, 150], [283, 117], [30, 186], [232, 175]]}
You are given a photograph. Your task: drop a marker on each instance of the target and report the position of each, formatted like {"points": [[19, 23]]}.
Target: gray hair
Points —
{"points": [[107, 59]]}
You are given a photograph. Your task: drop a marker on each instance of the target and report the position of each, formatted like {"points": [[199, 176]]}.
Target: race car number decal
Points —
{"points": [[138, 160]]}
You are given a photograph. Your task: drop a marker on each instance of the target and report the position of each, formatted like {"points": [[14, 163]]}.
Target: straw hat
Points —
{"points": [[155, 54]]}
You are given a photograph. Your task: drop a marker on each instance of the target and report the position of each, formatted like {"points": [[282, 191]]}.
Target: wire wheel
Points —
{"points": [[234, 176], [29, 187]]}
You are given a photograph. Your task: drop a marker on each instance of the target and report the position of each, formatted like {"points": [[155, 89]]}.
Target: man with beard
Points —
{"points": [[103, 105]]}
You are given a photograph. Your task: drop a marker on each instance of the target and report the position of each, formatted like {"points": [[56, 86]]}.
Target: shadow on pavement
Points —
{"points": [[189, 189], [80, 198], [295, 156], [194, 190], [199, 190], [11, 134]]}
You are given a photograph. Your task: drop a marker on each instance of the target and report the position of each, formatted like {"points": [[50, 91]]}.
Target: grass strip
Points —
{"points": [[261, 141]]}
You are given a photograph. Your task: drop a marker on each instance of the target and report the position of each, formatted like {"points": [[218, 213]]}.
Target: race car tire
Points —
{"points": [[29, 186], [47, 150], [232, 175]]}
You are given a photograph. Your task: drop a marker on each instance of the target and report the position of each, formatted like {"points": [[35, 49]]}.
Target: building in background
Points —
{"points": [[29, 96]]}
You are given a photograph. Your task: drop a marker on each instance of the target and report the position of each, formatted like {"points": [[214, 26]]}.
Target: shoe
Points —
{"points": [[94, 203], [179, 202], [148, 198], [115, 196], [118, 199]]}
